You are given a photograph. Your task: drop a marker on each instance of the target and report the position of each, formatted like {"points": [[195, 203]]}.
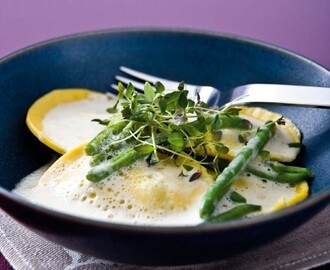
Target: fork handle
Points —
{"points": [[283, 94]]}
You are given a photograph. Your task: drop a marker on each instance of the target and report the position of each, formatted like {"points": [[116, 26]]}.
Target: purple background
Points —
{"points": [[302, 26]]}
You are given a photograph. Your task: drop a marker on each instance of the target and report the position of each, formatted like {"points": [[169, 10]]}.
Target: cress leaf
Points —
{"points": [[149, 92], [112, 110], [129, 91], [221, 149], [181, 86], [233, 111], [160, 88], [126, 113], [177, 141], [191, 130], [203, 105], [183, 101], [142, 116], [217, 135], [173, 127], [121, 89], [172, 101], [162, 105], [201, 124], [188, 167], [144, 149], [125, 104], [214, 122]]}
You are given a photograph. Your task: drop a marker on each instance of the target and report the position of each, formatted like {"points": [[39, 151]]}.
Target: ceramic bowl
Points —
{"points": [[91, 60]]}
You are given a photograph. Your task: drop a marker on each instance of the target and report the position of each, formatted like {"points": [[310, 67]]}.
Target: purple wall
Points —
{"points": [[302, 26]]}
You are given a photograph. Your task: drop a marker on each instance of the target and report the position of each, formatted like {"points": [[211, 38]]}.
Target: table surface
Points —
{"points": [[301, 27]]}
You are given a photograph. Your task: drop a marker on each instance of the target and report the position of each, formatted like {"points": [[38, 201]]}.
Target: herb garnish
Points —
{"points": [[158, 121]]}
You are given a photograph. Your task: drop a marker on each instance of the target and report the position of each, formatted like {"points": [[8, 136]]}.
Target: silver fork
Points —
{"points": [[250, 93]]}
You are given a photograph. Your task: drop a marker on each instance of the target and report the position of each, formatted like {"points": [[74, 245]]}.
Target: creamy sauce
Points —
{"points": [[145, 195], [141, 194]]}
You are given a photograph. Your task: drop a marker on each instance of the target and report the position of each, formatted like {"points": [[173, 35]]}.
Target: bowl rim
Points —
{"points": [[164, 30], [231, 225], [222, 226]]}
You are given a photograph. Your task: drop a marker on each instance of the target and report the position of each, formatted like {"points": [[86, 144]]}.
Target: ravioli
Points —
{"points": [[62, 119], [279, 146], [271, 195]]}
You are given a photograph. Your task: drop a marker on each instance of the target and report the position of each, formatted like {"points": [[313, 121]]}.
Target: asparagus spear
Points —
{"points": [[225, 180]]}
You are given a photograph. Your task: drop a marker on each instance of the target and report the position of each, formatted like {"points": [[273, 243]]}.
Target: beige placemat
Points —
{"points": [[306, 247]]}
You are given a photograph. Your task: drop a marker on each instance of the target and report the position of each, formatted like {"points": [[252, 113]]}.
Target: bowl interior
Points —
{"points": [[92, 60]]}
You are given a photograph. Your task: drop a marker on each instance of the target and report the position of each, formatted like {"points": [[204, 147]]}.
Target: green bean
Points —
{"points": [[110, 166], [99, 158], [95, 145], [277, 172], [108, 134], [126, 158], [107, 150], [237, 212], [225, 180], [279, 167]]}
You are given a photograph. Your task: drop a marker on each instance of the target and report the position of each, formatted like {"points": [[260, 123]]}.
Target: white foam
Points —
{"points": [[139, 195], [70, 124]]}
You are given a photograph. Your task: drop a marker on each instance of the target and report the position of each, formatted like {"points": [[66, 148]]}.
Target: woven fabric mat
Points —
{"points": [[306, 247]]}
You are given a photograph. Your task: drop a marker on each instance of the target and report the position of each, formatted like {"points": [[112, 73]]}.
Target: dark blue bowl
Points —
{"points": [[90, 61]]}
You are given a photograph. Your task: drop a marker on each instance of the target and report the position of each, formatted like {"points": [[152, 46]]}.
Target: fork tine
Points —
{"points": [[140, 75], [137, 85], [152, 79], [205, 92]]}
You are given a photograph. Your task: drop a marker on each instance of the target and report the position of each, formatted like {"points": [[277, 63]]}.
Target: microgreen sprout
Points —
{"points": [[182, 123]]}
